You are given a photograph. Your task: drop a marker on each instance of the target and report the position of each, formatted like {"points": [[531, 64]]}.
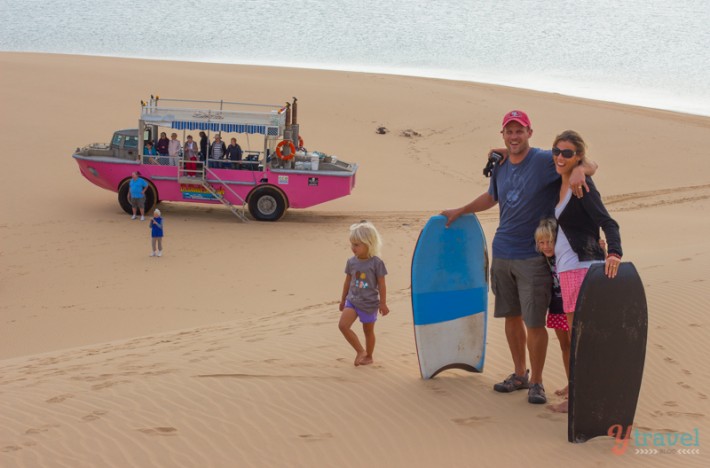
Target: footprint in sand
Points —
{"points": [[670, 360], [678, 413], [438, 390], [472, 421], [40, 429], [60, 398], [552, 416], [687, 372], [702, 396], [108, 384], [684, 385], [10, 448], [159, 431], [316, 437], [670, 403], [93, 416]]}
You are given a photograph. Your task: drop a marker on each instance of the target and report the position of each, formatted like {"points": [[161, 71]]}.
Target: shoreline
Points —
{"points": [[600, 95]]}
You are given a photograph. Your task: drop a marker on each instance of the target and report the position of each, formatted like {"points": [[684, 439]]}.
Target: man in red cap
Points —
{"points": [[525, 185]]}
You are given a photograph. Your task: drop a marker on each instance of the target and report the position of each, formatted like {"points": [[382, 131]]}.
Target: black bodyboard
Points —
{"points": [[608, 352]]}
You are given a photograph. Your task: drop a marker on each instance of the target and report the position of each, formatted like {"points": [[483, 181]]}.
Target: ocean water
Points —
{"points": [[653, 53]]}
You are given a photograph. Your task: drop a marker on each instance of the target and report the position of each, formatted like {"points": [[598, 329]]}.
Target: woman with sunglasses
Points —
{"points": [[579, 220]]}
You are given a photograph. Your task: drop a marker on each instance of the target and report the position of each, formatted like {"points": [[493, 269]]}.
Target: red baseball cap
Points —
{"points": [[517, 116]]}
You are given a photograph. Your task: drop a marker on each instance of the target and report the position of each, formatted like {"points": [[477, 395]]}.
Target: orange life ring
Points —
{"points": [[291, 146]]}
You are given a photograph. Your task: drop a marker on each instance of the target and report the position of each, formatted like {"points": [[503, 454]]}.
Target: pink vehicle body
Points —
{"points": [[264, 180]]}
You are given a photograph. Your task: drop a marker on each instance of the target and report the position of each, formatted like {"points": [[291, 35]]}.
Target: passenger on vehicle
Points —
{"points": [[234, 153], [162, 145], [190, 152], [218, 152], [204, 146], [149, 151], [174, 149]]}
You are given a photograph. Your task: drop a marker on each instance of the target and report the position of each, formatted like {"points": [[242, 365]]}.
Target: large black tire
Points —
{"points": [[151, 197], [267, 204]]}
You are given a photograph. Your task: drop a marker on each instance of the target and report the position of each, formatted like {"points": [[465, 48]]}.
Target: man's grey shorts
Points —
{"points": [[522, 287], [137, 202]]}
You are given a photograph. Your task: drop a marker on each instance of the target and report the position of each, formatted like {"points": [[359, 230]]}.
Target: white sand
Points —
{"points": [[225, 352]]}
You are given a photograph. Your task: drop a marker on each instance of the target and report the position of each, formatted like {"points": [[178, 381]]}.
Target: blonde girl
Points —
{"points": [[545, 236], [364, 290]]}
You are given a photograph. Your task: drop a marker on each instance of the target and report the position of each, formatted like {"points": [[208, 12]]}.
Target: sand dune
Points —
{"points": [[225, 352]]}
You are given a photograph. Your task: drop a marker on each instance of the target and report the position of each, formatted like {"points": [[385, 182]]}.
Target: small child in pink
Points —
{"points": [[545, 243]]}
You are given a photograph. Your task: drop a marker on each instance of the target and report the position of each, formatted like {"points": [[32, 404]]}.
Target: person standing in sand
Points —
{"points": [[364, 290], [578, 243], [545, 236], [156, 234], [136, 194], [525, 185]]}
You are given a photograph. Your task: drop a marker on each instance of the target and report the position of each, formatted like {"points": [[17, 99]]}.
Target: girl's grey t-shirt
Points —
{"points": [[364, 292]]}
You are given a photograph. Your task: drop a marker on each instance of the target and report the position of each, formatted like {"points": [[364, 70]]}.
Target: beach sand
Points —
{"points": [[225, 352]]}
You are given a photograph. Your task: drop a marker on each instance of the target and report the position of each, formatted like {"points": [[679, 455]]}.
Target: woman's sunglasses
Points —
{"points": [[567, 154]]}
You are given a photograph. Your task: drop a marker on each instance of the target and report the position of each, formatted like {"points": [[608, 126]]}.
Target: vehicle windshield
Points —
{"points": [[131, 142]]}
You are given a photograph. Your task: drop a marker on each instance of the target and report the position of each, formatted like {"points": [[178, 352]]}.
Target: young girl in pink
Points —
{"points": [[545, 235]]}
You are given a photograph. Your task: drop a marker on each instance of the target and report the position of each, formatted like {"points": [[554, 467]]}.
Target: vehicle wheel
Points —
{"points": [[151, 196], [267, 204]]}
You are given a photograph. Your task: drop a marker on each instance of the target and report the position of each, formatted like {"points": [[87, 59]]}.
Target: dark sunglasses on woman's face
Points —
{"points": [[567, 154]]}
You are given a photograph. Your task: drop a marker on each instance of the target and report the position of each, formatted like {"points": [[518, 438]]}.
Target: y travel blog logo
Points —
{"points": [[654, 443]]}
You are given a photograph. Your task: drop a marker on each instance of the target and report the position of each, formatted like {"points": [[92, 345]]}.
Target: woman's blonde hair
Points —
{"points": [[365, 232], [547, 229]]}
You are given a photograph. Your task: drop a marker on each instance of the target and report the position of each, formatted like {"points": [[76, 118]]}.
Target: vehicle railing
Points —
{"points": [[161, 160], [156, 102], [189, 168], [226, 186], [235, 165]]}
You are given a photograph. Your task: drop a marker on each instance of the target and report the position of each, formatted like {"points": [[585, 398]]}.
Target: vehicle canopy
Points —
{"points": [[268, 120]]}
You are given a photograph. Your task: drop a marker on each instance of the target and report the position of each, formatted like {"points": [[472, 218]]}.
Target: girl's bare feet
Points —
{"points": [[560, 407], [366, 360], [562, 392], [360, 357]]}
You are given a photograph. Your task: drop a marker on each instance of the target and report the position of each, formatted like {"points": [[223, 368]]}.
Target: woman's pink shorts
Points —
{"points": [[570, 282]]}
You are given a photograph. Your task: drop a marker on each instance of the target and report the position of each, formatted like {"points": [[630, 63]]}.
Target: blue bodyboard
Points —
{"points": [[450, 295]]}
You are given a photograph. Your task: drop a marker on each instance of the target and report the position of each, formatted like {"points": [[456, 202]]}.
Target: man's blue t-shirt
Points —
{"points": [[136, 187], [526, 193]]}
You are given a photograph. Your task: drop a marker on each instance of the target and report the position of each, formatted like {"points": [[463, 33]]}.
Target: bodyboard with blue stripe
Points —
{"points": [[450, 295]]}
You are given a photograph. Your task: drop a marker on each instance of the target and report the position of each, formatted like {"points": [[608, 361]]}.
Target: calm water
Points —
{"points": [[654, 53]]}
